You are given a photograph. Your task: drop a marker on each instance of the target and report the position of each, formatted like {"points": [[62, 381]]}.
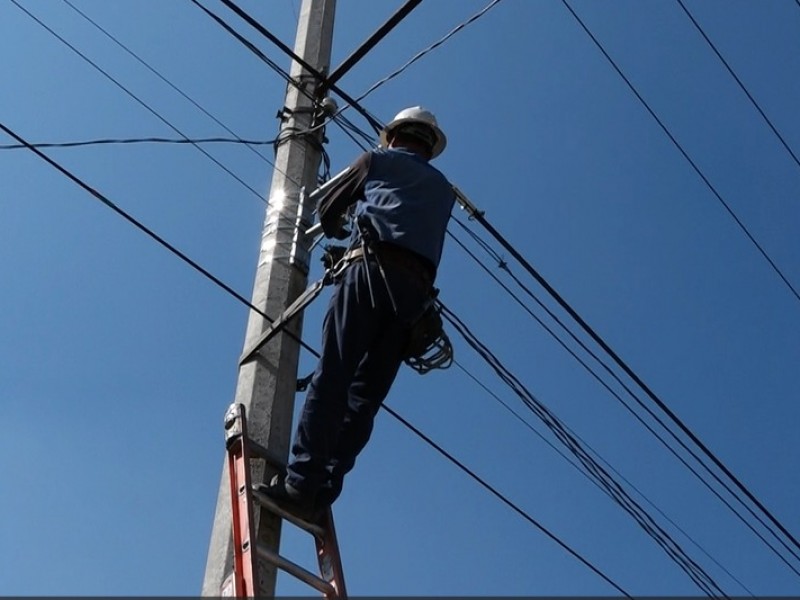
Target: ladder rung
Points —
{"points": [[297, 571], [270, 505], [259, 451]]}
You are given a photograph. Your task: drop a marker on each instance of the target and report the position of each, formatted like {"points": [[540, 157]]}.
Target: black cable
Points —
{"points": [[739, 81], [374, 123], [166, 80], [253, 48], [624, 366], [691, 162], [370, 43], [648, 524], [197, 267], [480, 217], [503, 499], [573, 464], [605, 346], [430, 48], [143, 140], [630, 392], [136, 98], [150, 233]]}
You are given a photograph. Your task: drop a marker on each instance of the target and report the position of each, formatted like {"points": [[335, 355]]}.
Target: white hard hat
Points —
{"points": [[416, 114]]}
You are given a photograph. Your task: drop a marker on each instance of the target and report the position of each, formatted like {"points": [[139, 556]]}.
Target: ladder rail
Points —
{"points": [[245, 567], [243, 582]]}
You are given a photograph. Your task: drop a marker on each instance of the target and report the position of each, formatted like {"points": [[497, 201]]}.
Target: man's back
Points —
{"points": [[407, 201]]}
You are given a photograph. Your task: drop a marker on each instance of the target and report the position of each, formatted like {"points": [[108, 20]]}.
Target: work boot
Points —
{"points": [[291, 499]]}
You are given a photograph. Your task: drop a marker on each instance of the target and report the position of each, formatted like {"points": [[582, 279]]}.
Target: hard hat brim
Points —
{"points": [[441, 138]]}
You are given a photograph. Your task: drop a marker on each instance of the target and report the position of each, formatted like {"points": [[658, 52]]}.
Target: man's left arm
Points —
{"points": [[344, 193]]}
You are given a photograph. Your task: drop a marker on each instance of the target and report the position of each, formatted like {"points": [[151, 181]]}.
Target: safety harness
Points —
{"points": [[428, 346]]}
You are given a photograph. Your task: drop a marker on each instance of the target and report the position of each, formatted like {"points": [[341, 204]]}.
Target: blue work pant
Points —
{"points": [[362, 350]]}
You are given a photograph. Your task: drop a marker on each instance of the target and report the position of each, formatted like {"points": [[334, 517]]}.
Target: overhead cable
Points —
{"points": [[503, 499], [429, 49], [575, 465], [284, 48], [136, 98], [605, 346], [359, 53], [673, 550], [155, 72], [141, 140], [688, 158], [147, 231], [504, 266], [739, 81], [218, 282]]}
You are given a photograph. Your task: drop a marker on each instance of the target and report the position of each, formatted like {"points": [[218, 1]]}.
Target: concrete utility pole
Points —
{"points": [[267, 386]]}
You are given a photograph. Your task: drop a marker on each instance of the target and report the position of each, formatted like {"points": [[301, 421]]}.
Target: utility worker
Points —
{"points": [[400, 205]]}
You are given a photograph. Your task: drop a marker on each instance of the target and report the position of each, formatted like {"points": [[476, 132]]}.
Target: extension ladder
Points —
{"points": [[243, 582]]}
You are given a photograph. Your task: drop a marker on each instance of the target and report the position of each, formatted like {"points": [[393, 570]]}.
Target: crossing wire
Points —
{"points": [[688, 158], [502, 498], [135, 97], [165, 80], [288, 51], [605, 346], [739, 81], [219, 283], [481, 219], [141, 140], [592, 467], [504, 266], [429, 49]]}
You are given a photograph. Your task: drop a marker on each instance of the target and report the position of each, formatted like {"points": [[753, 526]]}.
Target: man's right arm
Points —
{"points": [[345, 192]]}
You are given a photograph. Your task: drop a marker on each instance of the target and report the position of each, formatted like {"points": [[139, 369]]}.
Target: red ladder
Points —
{"points": [[243, 582]]}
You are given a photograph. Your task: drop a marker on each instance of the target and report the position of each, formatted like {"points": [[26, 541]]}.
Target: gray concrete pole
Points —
{"points": [[267, 386]]}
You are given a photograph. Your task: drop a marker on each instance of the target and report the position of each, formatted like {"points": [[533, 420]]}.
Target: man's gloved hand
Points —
{"points": [[332, 255], [334, 227]]}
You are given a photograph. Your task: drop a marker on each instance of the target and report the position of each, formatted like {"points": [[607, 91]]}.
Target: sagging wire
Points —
{"points": [[673, 550]]}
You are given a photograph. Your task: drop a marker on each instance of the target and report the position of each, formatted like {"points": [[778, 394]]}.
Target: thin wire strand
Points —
{"points": [[218, 282], [594, 374], [685, 154], [503, 499], [166, 80], [141, 102], [504, 266], [574, 445], [429, 49], [739, 82], [142, 140]]}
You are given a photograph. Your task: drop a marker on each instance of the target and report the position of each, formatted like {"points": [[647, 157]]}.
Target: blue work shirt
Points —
{"points": [[404, 198]]}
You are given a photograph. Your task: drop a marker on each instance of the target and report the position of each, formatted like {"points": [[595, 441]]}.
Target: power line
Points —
{"points": [[218, 282], [605, 346], [624, 366], [164, 79], [253, 48], [141, 140], [503, 499], [370, 43], [146, 230], [429, 49], [739, 81], [286, 50], [482, 220], [685, 154], [593, 468], [504, 266], [572, 463], [136, 98]]}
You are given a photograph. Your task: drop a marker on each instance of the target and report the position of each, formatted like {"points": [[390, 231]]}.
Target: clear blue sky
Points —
{"points": [[118, 361]]}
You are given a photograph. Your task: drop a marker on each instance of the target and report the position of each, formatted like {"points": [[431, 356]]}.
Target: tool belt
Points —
{"points": [[398, 256]]}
